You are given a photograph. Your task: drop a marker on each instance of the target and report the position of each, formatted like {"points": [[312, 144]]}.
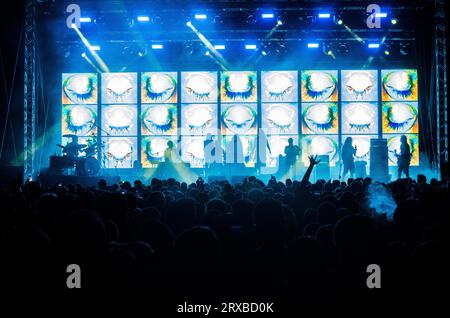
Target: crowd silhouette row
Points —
{"points": [[249, 238]]}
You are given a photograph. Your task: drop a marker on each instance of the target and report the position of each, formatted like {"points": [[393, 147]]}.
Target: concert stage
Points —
{"points": [[126, 82]]}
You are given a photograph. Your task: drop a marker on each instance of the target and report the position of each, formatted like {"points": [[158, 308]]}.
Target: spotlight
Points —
{"points": [[250, 46], [279, 22], [339, 21], [85, 19], [207, 53], [95, 47], [267, 15], [219, 47], [189, 23], [200, 16], [83, 54], [381, 15], [157, 46], [324, 15], [313, 45], [264, 53], [143, 18], [374, 45], [394, 21], [386, 52]]}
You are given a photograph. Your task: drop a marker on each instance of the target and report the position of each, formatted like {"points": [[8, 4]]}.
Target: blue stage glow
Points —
{"points": [[200, 16], [381, 15], [157, 46], [85, 19], [250, 46], [219, 47], [374, 45], [324, 15], [313, 45], [267, 15], [143, 18]]}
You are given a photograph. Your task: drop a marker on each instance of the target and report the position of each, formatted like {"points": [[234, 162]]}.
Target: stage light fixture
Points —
{"points": [[85, 19], [394, 21], [339, 21], [95, 48], [207, 53], [200, 16], [267, 15], [324, 15], [374, 45], [189, 23], [279, 22], [219, 47], [143, 18], [386, 52], [250, 46], [313, 45], [381, 15], [157, 46], [264, 53], [83, 54]]}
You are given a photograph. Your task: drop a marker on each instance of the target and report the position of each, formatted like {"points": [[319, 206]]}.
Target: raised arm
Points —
{"points": [[312, 162]]}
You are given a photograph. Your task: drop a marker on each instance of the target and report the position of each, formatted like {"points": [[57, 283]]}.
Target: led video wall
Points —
{"points": [[135, 115], [400, 111]]}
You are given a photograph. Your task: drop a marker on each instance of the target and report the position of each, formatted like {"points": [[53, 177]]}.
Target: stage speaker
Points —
{"points": [[322, 169], [379, 160]]}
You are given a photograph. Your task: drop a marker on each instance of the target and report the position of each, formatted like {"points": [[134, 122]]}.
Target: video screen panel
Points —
{"points": [[152, 149], [400, 117], [120, 152], [198, 119], [80, 120], [320, 145], [119, 120], [320, 118], [193, 150], [393, 143], [279, 86], [199, 87], [238, 86], [319, 86], [159, 119], [399, 85], [249, 146], [119, 88], [159, 87], [362, 144], [240, 119], [280, 119], [359, 85], [275, 148], [79, 88], [360, 118]]}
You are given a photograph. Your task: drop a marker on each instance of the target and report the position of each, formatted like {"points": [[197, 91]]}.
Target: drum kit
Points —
{"points": [[72, 163]]}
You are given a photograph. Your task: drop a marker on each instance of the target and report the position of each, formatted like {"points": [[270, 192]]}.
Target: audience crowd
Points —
{"points": [[250, 238]]}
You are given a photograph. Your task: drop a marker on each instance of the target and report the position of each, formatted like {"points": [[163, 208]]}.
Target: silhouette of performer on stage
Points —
{"points": [[404, 157], [291, 152], [348, 160]]}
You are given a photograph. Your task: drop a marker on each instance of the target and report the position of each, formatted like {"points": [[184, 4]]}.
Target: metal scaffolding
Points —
{"points": [[441, 82], [29, 105]]}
